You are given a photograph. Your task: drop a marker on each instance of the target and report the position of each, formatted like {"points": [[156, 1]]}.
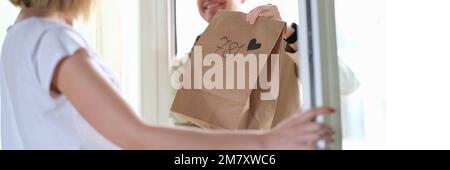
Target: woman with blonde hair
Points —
{"points": [[57, 94]]}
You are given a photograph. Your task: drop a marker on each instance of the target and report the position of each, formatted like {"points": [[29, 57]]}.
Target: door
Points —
{"points": [[343, 65]]}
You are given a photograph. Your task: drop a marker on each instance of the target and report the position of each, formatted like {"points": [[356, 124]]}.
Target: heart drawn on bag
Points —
{"points": [[253, 45]]}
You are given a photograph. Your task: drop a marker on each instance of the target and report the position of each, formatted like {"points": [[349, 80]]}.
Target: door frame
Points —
{"points": [[319, 62], [158, 37]]}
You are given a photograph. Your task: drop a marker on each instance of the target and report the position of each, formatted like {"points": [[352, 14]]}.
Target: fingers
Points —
{"points": [[322, 134], [253, 14], [311, 146], [310, 140], [270, 14], [312, 114], [302, 119], [326, 134], [317, 128], [311, 128], [270, 11], [311, 133], [304, 138], [302, 132]]}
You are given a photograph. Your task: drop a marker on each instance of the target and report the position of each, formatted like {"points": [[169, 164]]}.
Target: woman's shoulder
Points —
{"points": [[61, 33], [41, 31]]}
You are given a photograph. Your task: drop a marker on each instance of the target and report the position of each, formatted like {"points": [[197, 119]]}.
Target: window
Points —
{"points": [[113, 30], [361, 39]]}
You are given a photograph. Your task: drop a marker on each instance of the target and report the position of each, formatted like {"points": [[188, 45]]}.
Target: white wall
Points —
{"points": [[418, 79]]}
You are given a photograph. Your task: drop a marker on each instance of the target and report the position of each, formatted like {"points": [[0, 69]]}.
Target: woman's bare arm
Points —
{"points": [[97, 101]]}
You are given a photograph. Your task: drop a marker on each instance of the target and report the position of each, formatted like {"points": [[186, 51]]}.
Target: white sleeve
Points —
{"points": [[348, 80], [55, 45]]}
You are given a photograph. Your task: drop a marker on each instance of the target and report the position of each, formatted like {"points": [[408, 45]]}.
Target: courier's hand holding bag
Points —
{"points": [[238, 76]]}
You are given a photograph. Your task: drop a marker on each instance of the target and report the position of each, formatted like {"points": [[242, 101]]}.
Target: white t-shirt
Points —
{"points": [[33, 117]]}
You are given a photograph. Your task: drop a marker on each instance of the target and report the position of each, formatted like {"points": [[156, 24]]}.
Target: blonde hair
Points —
{"points": [[73, 8]]}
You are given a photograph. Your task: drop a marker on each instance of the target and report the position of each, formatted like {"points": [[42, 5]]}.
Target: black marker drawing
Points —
{"points": [[229, 47], [253, 45]]}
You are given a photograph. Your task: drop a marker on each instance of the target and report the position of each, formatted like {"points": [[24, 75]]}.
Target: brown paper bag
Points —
{"points": [[238, 108]]}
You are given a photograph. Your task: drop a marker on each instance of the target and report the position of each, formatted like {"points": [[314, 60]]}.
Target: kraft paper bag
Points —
{"points": [[289, 94], [238, 108]]}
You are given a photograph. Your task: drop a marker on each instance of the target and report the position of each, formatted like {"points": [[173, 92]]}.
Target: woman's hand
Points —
{"points": [[300, 132], [269, 10]]}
